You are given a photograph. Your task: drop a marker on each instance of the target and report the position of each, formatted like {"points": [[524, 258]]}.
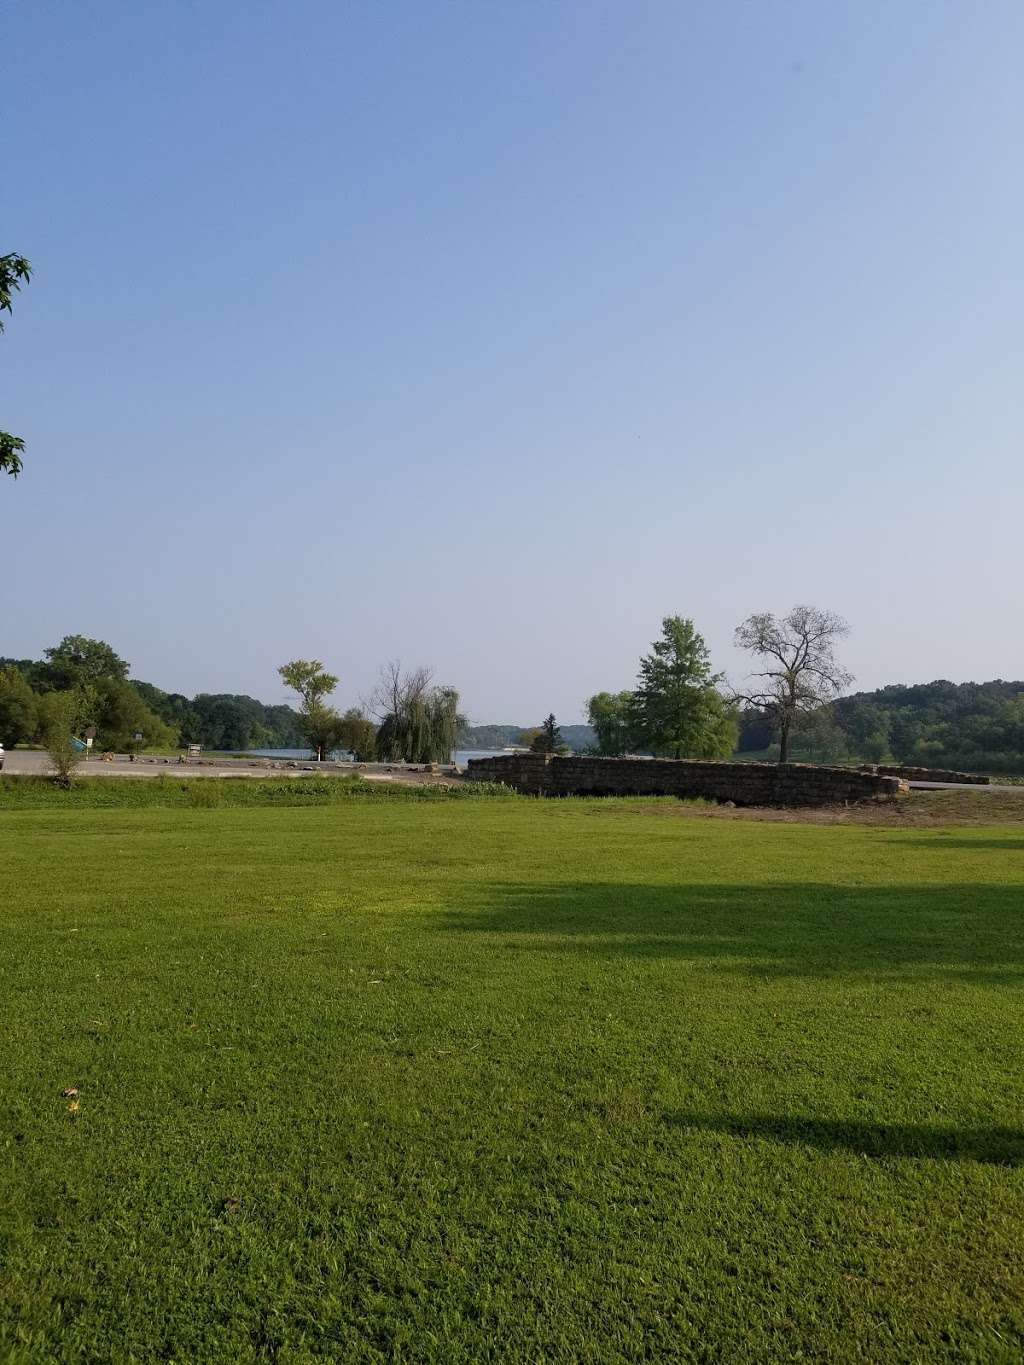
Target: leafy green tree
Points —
{"points": [[549, 740], [757, 732], [801, 673], [19, 708], [817, 738], [172, 708], [77, 660], [60, 718], [313, 683], [322, 726], [228, 721], [119, 714], [677, 710], [14, 272], [358, 735], [610, 715]]}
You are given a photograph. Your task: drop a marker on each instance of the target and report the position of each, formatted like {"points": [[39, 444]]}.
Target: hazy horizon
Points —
{"points": [[484, 337]]}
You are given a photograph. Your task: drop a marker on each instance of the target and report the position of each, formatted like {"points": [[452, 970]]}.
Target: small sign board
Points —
{"points": [[137, 737]]}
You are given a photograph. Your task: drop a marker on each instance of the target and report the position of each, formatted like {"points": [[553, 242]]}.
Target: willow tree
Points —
{"points": [[419, 722], [609, 714]]}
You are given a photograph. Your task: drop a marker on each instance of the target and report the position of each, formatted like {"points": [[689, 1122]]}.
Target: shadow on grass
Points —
{"points": [[971, 932], [996, 1146]]}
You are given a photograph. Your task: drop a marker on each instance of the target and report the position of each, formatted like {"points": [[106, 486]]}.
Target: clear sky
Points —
{"points": [[483, 335]]}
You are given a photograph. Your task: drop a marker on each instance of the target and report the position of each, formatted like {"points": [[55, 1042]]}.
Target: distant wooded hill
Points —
{"points": [[976, 727], [223, 720], [578, 737]]}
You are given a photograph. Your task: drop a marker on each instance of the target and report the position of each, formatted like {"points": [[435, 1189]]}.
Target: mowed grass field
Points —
{"points": [[503, 1080]]}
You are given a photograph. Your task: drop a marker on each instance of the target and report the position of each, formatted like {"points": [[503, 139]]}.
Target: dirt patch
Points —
{"points": [[919, 808]]}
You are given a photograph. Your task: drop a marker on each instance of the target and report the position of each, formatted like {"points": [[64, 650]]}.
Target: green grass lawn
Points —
{"points": [[508, 1080]]}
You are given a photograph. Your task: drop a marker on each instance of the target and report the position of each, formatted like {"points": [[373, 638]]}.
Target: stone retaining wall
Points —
{"points": [[747, 784], [925, 774]]}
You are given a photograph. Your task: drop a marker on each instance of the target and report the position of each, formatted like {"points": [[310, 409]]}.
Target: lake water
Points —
{"points": [[461, 755]]}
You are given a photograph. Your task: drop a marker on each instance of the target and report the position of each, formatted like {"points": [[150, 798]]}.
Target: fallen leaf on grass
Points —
{"points": [[70, 1093], [73, 1108], [231, 1203]]}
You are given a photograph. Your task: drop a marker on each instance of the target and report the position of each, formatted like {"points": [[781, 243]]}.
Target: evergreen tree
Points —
{"points": [[677, 710], [550, 740]]}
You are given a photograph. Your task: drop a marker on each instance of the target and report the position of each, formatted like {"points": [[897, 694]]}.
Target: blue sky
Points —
{"points": [[485, 335]]}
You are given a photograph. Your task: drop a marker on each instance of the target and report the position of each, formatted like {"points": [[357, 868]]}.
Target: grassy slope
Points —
{"points": [[508, 1081]]}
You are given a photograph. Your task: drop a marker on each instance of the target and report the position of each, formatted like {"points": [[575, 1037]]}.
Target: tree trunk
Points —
{"points": [[784, 740]]}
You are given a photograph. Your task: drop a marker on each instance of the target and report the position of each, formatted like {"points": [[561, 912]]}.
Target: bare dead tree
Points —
{"points": [[419, 722], [396, 691], [802, 674]]}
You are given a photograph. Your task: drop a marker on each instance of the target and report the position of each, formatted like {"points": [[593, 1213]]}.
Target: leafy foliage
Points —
{"points": [[119, 714], [19, 708], [548, 739], [217, 721], [357, 735], [78, 660], [313, 683], [11, 450], [61, 714], [610, 714], [14, 272], [676, 710], [420, 722], [976, 727]]}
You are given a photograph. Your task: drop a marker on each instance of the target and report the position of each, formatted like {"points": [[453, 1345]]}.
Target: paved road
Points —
{"points": [[33, 761]]}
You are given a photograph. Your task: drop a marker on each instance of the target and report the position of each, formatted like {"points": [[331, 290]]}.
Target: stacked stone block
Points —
{"points": [[910, 774], [746, 784]]}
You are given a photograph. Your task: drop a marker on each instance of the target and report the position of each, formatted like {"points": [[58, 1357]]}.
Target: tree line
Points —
{"points": [[974, 727], [84, 684], [680, 708], [407, 717], [81, 686], [795, 706]]}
